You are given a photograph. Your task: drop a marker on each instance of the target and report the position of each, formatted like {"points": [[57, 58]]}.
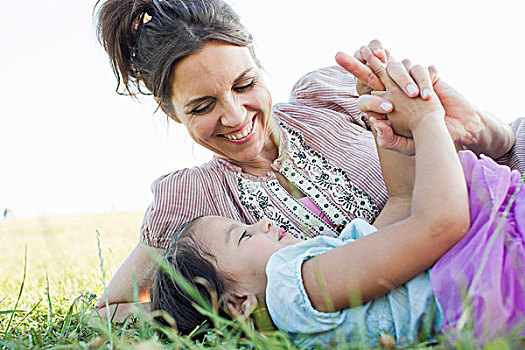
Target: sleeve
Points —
{"points": [[515, 158], [357, 228], [177, 198], [332, 88], [286, 299]]}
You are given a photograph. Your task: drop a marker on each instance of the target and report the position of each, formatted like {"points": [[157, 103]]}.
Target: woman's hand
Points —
{"points": [[470, 128], [375, 106]]}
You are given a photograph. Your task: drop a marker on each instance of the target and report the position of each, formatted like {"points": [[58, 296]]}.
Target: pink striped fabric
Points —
{"points": [[515, 159], [327, 151]]}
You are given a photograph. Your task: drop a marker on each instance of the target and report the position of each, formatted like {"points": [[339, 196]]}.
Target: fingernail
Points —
{"points": [[386, 106], [372, 120], [425, 93], [411, 89], [378, 131], [378, 52]]}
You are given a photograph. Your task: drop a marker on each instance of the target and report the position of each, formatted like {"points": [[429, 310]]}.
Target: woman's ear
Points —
{"points": [[165, 106], [241, 305]]}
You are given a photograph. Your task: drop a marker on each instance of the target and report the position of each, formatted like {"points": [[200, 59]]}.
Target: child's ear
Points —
{"points": [[241, 305]]}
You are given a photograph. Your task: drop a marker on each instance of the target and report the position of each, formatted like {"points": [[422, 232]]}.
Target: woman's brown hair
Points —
{"points": [[146, 38]]}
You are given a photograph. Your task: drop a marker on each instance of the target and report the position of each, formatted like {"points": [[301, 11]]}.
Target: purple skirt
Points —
{"points": [[481, 280]]}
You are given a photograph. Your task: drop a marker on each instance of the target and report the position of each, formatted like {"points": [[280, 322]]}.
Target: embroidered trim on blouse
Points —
{"points": [[328, 187]]}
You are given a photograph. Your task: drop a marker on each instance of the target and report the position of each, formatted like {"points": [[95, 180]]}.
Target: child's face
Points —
{"points": [[242, 251]]}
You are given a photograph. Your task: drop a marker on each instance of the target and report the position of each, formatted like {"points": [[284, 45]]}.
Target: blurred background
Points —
{"points": [[70, 145]]}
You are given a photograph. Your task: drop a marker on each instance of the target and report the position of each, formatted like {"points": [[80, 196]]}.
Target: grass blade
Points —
{"points": [[50, 312], [101, 259], [6, 332]]}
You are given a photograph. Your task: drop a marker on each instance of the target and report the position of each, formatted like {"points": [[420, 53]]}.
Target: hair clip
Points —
{"points": [[146, 18]]}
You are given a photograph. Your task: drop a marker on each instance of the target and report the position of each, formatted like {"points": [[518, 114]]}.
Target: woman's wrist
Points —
{"points": [[494, 137]]}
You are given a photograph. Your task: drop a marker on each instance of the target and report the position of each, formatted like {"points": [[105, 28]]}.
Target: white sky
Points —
{"points": [[70, 144]]}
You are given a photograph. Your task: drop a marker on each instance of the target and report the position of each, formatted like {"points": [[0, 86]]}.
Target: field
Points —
{"points": [[50, 306], [63, 277]]}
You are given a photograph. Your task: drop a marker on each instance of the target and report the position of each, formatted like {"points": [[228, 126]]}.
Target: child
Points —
{"points": [[308, 286]]}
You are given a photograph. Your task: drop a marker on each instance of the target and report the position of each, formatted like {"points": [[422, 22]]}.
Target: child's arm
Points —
{"points": [[398, 172], [398, 168], [439, 214]]}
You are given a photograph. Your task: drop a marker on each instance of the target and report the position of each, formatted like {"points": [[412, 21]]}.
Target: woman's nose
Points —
{"points": [[234, 113]]}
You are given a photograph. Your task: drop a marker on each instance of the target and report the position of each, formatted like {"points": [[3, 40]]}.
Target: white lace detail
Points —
{"points": [[328, 187]]}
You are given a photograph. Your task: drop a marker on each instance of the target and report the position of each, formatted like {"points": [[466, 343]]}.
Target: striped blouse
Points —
{"points": [[327, 151], [515, 158]]}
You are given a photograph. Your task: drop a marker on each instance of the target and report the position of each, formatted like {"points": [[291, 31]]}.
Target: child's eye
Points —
{"points": [[245, 87], [244, 235]]}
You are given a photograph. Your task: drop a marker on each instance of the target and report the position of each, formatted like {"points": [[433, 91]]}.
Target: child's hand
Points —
{"points": [[387, 139], [407, 112]]}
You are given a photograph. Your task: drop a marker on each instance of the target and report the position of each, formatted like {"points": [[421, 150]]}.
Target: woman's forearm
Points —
{"points": [[494, 138], [138, 268], [120, 311]]}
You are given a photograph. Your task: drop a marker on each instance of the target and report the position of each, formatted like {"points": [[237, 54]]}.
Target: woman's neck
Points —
{"points": [[261, 165]]}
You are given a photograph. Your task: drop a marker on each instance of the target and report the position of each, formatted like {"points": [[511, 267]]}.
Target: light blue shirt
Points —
{"points": [[406, 312]]}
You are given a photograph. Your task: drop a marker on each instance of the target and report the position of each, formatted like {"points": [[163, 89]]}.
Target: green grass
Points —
{"points": [[47, 294]]}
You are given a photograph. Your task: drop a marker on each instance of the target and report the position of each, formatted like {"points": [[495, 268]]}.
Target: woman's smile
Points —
{"points": [[245, 134]]}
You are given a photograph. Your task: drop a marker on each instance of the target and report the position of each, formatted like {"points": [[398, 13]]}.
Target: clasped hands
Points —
{"points": [[468, 127]]}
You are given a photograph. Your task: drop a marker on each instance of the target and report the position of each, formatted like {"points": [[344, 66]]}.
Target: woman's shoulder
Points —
{"points": [[324, 81], [209, 172], [181, 196], [324, 95]]}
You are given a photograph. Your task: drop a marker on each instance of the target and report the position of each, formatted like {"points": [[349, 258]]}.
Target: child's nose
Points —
{"points": [[266, 225]]}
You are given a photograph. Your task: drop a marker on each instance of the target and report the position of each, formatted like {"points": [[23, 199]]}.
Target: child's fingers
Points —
{"points": [[407, 63], [433, 72], [387, 139], [377, 49], [388, 56], [377, 66], [374, 103], [401, 76], [359, 70]]}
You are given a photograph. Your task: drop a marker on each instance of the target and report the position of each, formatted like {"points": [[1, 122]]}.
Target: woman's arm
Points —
{"points": [[138, 266], [439, 215]]}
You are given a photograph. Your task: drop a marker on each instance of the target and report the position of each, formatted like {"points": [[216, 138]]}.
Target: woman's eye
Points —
{"points": [[202, 110], [245, 87]]}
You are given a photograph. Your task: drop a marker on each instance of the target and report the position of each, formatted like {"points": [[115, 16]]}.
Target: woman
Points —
{"points": [[308, 165], [262, 266]]}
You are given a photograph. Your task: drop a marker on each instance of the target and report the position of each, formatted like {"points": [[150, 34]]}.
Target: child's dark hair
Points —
{"points": [[196, 265]]}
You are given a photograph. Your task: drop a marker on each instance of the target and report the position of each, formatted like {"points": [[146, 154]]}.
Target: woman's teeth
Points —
{"points": [[246, 131]]}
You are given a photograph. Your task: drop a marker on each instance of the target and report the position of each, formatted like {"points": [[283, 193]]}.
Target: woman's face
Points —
{"points": [[219, 95]]}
